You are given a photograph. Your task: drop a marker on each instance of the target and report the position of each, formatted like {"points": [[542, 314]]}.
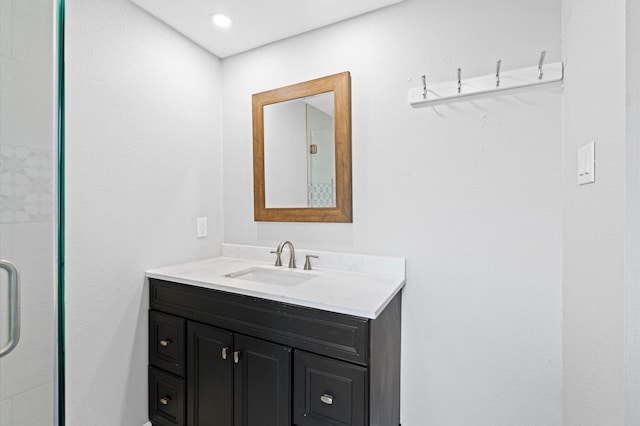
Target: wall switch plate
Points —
{"points": [[587, 164], [201, 223]]}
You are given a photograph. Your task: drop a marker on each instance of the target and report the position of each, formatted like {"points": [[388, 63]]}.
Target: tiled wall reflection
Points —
{"points": [[322, 195]]}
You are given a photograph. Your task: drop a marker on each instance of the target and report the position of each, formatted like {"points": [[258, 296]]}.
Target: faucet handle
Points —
{"points": [[278, 257], [307, 263]]}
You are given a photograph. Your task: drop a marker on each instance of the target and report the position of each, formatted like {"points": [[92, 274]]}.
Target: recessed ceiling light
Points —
{"points": [[221, 20]]}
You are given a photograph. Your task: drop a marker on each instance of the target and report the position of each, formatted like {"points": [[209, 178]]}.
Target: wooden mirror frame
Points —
{"points": [[340, 85]]}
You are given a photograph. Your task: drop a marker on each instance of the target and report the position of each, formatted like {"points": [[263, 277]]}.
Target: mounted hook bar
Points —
{"points": [[497, 81], [542, 56]]}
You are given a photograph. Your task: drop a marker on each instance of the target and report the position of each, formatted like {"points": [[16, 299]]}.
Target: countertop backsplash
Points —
{"points": [[350, 262]]}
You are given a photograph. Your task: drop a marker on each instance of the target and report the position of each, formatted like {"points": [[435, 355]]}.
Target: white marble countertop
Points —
{"points": [[353, 293]]}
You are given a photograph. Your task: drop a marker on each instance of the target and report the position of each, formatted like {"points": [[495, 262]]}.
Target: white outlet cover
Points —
{"points": [[201, 226], [586, 164]]}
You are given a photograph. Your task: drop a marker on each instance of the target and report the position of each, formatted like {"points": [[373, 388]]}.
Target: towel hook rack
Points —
{"points": [[542, 56], [538, 74]]}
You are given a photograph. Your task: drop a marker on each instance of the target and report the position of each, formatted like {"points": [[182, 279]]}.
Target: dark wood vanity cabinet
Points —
{"points": [[222, 359], [210, 375], [231, 379], [236, 380]]}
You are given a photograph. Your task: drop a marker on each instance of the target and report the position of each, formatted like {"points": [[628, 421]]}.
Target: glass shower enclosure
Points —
{"points": [[30, 44]]}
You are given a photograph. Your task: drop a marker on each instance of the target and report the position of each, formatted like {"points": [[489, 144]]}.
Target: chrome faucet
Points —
{"points": [[292, 254]]}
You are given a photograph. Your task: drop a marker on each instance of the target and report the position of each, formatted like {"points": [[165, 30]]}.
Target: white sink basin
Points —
{"points": [[283, 277]]}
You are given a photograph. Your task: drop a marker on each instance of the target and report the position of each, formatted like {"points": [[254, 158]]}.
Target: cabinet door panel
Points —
{"points": [[262, 383], [209, 376], [166, 342], [166, 398], [328, 392]]}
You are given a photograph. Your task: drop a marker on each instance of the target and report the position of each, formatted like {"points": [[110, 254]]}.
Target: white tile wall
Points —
{"points": [[26, 413], [32, 32], [25, 187], [32, 252], [5, 412], [25, 104], [27, 166], [6, 27], [25, 372]]}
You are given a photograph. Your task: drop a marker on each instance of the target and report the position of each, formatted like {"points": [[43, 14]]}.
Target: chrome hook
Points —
{"points": [[542, 55], [459, 80], [424, 87], [498, 64]]}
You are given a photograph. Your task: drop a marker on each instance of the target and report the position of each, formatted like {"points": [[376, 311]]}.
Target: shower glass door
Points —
{"points": [[28, 215]]}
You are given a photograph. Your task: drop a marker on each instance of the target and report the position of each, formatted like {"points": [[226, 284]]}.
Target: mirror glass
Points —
{"points": [[302, 151], [299, 153]]}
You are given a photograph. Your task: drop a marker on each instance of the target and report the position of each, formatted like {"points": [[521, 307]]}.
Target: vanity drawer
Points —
{"points": [[166, 399], [167, 342], [328, 333], [328, 392]]}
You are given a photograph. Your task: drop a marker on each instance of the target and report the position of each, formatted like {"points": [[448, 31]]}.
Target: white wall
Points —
{"points": [[143, 161], [467, 192], [285, 154], [632, 217], [594, 241]]}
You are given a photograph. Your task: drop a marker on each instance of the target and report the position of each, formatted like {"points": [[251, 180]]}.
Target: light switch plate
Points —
{"points": [[587, 164], [201, 223]]}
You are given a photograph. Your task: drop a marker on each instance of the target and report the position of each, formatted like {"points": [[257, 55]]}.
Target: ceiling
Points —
{"points": [[255, 22]]}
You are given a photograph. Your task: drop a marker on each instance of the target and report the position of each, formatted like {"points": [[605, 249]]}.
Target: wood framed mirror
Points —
{"points": [[302, 151]]}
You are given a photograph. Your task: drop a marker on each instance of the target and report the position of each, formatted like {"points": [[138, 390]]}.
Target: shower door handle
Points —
{"points": [[14, 307]]}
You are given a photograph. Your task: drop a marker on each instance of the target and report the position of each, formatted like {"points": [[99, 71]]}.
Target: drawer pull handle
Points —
{"points": [[236, 357], [164, 343], [225, 352], [327, 399], [165, 400]]}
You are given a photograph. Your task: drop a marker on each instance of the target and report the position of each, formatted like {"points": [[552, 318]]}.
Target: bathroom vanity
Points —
{"points": [[232, 344]]}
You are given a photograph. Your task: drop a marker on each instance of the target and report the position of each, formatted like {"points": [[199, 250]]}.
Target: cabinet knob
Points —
{"points": [[236, 357], [165, 400], [327, 399], [225, 352], [164, 343]]}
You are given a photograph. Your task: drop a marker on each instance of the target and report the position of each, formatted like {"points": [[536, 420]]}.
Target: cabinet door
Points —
{"points": [[209, 376], [328, 392], [262, 383], [166, 342], [166, 398]]}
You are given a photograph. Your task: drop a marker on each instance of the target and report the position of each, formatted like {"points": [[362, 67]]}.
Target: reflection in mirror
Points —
{"points": [[299, 159], [302, 151]]}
